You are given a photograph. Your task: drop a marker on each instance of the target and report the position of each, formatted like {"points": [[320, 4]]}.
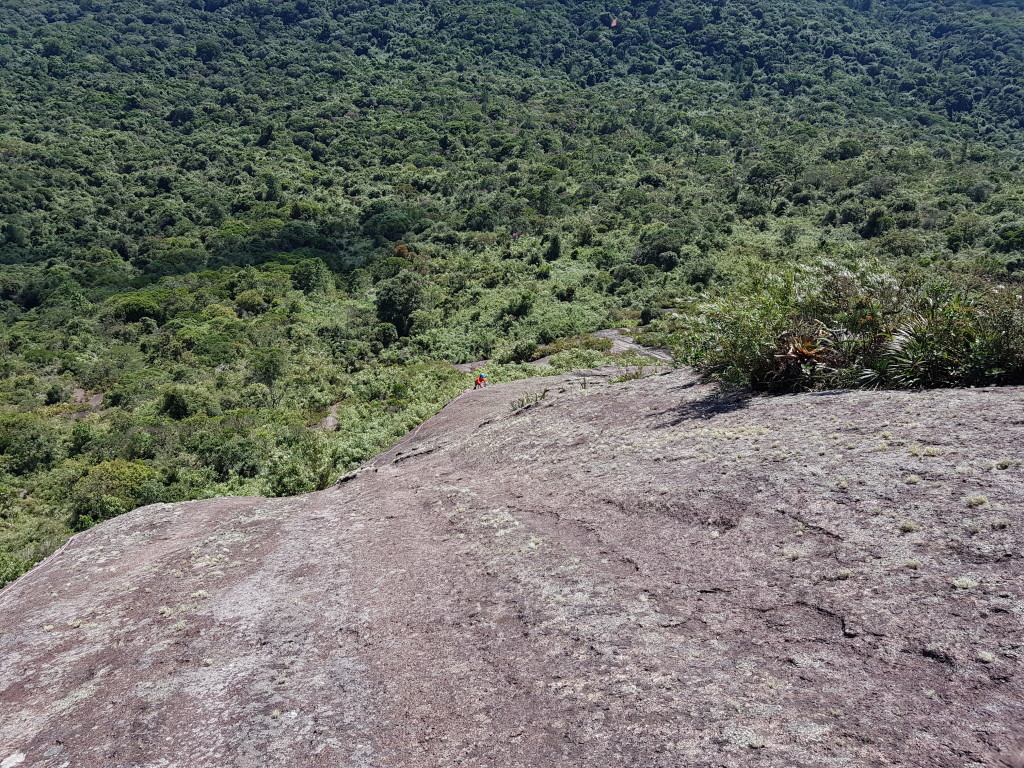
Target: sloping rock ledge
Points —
{"points": [[628, 573]]}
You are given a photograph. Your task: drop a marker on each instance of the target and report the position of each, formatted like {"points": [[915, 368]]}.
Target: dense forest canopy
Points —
{"points": [[128, 121], [224, 223]]}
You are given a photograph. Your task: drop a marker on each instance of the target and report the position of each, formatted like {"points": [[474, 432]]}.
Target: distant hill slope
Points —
{"points": [[249, 128], [604, 574]]}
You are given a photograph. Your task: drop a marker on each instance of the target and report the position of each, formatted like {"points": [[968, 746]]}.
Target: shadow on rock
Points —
{"points": [[709, 406]]}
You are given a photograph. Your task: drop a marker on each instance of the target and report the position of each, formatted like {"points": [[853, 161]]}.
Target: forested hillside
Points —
{"points": [[219, 220]]}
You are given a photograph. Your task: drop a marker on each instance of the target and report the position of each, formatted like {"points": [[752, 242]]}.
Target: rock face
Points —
{"points": [[627, 573]]}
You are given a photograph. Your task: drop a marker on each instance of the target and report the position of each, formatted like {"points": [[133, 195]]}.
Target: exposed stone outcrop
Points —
{"points": [[617, 574]]}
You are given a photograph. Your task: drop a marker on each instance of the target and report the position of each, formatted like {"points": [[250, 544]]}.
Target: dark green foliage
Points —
{"points": [[388, 219], [954, 339], [208, 50], [554, 249], [312, 276], [251, 301], [767, 180], [481, 218], [268, 366], [846, 149], [398, 297], [1011, 240], [660, 248], [518, 352], [182, 402], [520, 304], [879, 222]]}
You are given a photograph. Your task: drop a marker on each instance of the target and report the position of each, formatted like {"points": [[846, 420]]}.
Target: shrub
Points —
{"points": [[845, 149], [312, 466], [208, 50], [481, 218], [660, 248], [132, 307], [954, 340], [386, 334], [628, 275], [1011, 240], [29, 444], [390, 267], [312, 276], [110, 489], [519, 305], [268, 365], [554, 249], [251, 301], [56, 393], [241, 456], [578, 359], [597, 343], [25, 539], [219, 311], [389, 224], [737, 337], [519, 351], [699, 270], [182, 402]]}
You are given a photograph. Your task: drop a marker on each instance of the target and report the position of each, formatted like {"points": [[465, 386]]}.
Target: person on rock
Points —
{"points": [[480, 382]]}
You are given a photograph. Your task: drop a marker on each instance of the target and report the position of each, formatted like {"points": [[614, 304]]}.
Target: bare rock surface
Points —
{"points": [[621, 574], [470, 367], [329, 423], [90, 403]]}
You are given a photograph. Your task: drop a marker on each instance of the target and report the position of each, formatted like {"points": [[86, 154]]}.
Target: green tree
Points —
{"points": [[251, 301], [660, 248], [182, 402], [268, 365], [1011, 240], [554, 249], [312, 276], [767, 180], [12, 234], [398, 297], [208, 50]]}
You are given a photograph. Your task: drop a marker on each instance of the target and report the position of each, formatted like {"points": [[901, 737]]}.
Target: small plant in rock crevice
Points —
{"points": [[527, 401]]}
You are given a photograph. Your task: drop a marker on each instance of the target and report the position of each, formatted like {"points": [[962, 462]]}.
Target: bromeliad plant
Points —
{"points": [[956, 339], [826, 327]]}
